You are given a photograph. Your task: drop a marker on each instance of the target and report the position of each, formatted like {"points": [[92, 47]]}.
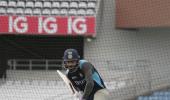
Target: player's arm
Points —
{"points": [[87, 69]]}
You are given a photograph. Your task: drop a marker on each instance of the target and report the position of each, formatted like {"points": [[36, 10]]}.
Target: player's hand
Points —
{"points": [[82, 97], [79, 95]]}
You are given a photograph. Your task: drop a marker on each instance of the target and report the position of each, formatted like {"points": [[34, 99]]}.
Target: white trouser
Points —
{"points": [[102, 94]]}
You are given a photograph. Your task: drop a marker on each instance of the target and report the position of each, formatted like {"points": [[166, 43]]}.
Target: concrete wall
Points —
{"points": [[146, 52], [142, 13]]}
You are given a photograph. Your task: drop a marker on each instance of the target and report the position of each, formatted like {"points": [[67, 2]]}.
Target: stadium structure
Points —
{"points": [[128, 41]]}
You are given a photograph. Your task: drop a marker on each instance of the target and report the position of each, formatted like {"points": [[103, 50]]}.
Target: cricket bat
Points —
{"points": [[67, 82]]}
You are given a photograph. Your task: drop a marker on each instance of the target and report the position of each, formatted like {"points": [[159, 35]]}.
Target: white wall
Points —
{"points": [[123, 48]]}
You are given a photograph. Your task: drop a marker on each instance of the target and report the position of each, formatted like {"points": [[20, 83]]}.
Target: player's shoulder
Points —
{"points": [[83, 62]]}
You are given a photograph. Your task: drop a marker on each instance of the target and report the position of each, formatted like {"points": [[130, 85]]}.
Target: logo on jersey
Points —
{"points": [[81, 82], [81, 75]]}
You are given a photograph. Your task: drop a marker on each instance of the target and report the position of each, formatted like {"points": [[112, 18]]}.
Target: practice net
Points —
{"points": [[131, 62]]}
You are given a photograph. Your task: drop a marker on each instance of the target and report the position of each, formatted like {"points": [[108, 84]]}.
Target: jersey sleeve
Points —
{"points": [[81, 62]]}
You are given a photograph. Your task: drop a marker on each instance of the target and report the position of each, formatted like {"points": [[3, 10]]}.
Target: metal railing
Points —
{"points": [[31, 63]]}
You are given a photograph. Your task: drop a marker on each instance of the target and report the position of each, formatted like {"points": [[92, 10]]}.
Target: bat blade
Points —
{"points": [[67, 82]]}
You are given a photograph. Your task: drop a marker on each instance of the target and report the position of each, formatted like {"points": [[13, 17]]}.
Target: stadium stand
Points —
{"points": [[22, 83], [49, 7], [131, 62], [47, 85], [157, 95]]}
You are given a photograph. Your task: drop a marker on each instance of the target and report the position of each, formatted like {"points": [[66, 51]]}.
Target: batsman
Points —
{"points": [[84, 77]]}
